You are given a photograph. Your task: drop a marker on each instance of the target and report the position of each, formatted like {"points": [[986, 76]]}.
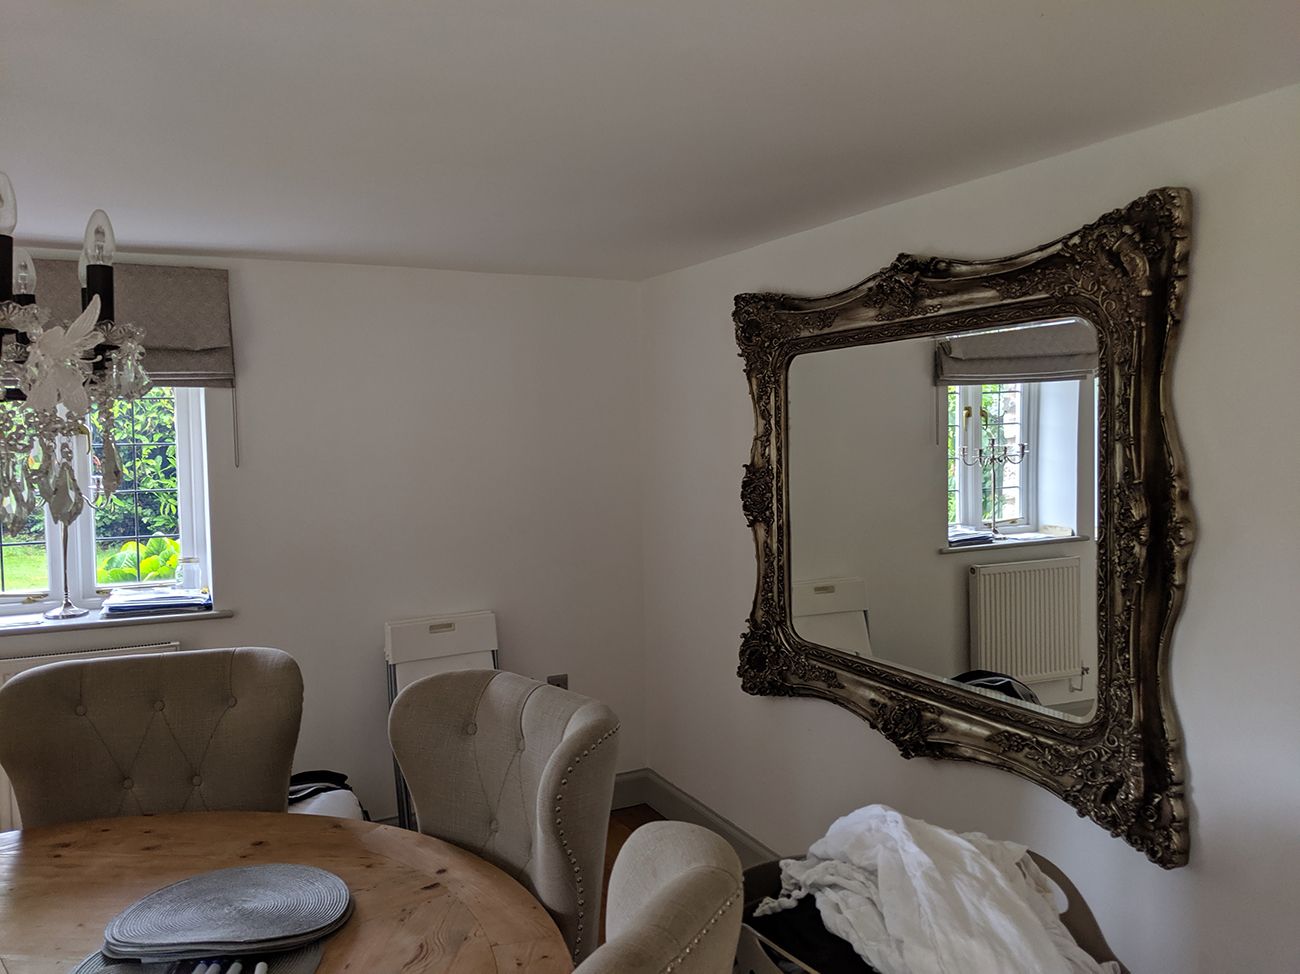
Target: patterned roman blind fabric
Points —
{"points": [[1058, 350], [184, 312]]}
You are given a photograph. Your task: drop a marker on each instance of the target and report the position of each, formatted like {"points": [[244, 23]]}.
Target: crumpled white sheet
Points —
{"points": [[913, 898]]}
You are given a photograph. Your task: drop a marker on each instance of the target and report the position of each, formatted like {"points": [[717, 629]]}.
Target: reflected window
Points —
{"points": [[1018, 460], [991, 438]]}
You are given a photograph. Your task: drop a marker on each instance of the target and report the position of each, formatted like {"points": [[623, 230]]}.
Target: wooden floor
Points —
{"points": [[622, 823]]}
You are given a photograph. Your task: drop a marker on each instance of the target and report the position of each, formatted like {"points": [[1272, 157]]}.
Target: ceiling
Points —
{"points": [[607, 138]]}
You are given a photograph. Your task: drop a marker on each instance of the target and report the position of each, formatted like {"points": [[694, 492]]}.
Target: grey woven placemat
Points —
{"points": [[302, 961], [231, 912]]}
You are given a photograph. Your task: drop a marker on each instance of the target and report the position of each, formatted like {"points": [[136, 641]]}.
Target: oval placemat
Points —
{"points": [[233, 912], [305, 960]]}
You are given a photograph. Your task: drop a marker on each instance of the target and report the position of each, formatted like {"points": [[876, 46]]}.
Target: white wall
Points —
{"points": [[416, 442], [785, 768], [883, 487]]}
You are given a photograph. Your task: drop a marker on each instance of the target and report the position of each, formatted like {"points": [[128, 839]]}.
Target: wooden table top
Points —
{"points": [[421, 905]]}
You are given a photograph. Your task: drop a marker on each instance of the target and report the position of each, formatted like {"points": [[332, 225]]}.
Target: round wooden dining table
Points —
{"points": [[421, 905]]}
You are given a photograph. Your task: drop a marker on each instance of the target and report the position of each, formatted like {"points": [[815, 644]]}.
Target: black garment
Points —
{"points": [[801, 933]]}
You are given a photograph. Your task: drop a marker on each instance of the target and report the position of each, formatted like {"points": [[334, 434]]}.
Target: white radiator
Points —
{"points": [[1024, 619], [9, 668]]}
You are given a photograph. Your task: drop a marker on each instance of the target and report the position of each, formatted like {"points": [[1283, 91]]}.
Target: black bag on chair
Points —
{"points": [[309, 784]]}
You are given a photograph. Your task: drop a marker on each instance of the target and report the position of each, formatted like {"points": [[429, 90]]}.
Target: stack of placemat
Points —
{"points": [[274, 913], [303, 961]]}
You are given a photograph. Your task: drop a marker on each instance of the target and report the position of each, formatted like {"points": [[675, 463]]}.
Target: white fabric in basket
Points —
{"points": [[913, 898]]}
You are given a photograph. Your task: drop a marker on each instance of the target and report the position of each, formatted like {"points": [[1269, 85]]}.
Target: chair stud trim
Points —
{"points": [[695, 941], [564, 842]]}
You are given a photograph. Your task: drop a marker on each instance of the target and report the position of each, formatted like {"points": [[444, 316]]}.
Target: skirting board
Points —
{"points": [[645, 786]]}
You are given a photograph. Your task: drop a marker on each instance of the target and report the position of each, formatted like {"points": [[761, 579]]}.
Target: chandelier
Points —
{"points": [[54, 376]]}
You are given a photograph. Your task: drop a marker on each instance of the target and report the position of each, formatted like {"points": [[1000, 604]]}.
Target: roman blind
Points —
{"points": [[1058, 350], [183, 311]]}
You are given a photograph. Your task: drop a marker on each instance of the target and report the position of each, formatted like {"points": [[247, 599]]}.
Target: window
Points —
{"points": [[1051, 493], [157, 516], [992, 417]]}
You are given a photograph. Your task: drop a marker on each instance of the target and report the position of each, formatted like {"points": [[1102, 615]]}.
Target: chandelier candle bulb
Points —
{"points": [[24, 278], [100, 244], [8, 207], [98, 249]]}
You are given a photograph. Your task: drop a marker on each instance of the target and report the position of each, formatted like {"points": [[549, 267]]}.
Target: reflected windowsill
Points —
{"points": [[1014, 541], [1085, 704]]}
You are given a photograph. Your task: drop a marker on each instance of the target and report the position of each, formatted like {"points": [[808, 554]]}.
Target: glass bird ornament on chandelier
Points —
{"points": [[57, 378]]}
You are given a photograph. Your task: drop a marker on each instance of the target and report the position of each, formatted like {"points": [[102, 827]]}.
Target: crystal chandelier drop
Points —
{"points": [[54, 376]]}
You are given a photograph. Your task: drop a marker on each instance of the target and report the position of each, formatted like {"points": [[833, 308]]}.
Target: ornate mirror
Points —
{"points": [[970, 510]]}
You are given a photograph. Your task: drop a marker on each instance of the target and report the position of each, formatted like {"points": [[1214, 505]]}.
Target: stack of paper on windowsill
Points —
{"points": [[960, 535], [156, 601]]}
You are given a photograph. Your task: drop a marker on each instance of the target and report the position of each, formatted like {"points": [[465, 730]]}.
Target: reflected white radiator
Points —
{"points": [[9, 668], [1024, 619]]}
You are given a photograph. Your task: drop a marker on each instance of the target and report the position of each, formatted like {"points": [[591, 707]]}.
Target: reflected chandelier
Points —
{"points": [[54, 375]]}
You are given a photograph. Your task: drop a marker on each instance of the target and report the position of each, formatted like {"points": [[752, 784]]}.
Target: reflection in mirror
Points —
{"points": [[943, 508]]}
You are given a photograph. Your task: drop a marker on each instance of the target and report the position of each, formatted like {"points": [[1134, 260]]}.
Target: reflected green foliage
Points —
{"points": [[952, 454], [1000, 411]]}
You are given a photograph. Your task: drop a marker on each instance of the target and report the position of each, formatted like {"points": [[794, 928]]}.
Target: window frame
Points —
{"points": [[192, 519]]}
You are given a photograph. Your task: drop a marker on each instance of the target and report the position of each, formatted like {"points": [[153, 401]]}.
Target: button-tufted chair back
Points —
{"points": [[675, 904], [520, 773], [173, 732]]}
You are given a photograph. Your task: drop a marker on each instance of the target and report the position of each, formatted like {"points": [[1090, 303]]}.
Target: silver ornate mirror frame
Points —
{"points": [[1125, 273]]}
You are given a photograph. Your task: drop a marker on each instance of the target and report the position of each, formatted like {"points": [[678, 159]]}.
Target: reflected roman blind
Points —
{"points": [[1058, 350], [183, 311]]}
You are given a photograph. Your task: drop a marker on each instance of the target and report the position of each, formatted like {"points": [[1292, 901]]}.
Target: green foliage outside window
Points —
{"points": [[150, 561], [137, 532]]}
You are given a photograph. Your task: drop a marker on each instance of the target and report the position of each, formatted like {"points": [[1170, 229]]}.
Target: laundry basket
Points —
{"points": [[752, 959], [754, 955], [758, 953]]}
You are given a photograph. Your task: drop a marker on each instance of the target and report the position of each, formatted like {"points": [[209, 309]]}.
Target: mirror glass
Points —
{"points": [[943, 508]]}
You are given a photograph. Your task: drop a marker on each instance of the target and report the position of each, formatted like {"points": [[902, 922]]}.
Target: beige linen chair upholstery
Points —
{"points": [[173, 732], [675, 899], [520, 773]]}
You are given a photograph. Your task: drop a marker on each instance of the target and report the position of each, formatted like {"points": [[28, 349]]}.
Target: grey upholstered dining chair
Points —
{"points": [[209, 730], [675, 904], [520, 773]]}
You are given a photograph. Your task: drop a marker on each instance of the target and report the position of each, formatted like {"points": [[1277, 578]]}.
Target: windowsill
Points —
{"points": [[1012, 542], [31, 624]]}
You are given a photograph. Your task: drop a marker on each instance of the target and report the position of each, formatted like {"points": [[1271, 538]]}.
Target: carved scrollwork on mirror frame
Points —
{"points": [[1126, 275]]}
